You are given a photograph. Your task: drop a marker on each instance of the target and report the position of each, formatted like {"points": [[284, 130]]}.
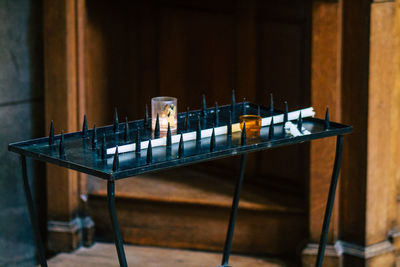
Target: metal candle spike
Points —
{"points": [[229, 125], [103, 147], [149, 157], [51, 134], [157, 128], [243, 137], [300, 123], [169, 137], [187, 121], [285, 114], [116, 123], [146, 117], [327, 123], [212, 141], [181, 148], [115, 166], [94, 137], [229, 130], [84, 127], [126, 130], [138, 141], [271, 130], [271, 104], [244, 107], [233, 102], [61, 147], [204, 107], [216, 115], [198, 133]]}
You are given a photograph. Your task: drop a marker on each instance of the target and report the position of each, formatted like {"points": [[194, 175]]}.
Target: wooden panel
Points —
{"points": [[112, 63], [188, 48], [355, 71], [200, 227], [96, 69], [60, 100], [367, 205], [283, 47], [282, 75], [166, 50], [395, 172], [81, 82], [186, 186], [380, 197], [325, 84], [196, 55]]}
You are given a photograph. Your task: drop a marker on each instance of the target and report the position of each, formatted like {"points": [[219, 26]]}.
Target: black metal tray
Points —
{"points": [[80, 156]]}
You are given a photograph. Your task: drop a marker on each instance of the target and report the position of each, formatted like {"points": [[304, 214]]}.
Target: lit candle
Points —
{"points": [[167, 110]]}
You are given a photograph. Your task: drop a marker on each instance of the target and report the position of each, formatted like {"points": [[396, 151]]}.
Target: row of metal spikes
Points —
{"points": [[103, 152], [146, 123], [181, 153]]}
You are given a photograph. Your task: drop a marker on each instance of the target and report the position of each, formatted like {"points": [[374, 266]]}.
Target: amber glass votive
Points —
{"points": [[167, 110], [253, 125]]}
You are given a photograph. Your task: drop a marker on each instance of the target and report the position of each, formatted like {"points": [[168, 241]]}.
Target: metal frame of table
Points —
{"points": [[73, 151]]}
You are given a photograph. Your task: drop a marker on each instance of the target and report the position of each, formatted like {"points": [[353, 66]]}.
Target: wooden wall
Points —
{"points": [[140, 49]]}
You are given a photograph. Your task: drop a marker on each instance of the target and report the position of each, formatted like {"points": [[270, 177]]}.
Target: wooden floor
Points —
{"points": [[102, 254]]}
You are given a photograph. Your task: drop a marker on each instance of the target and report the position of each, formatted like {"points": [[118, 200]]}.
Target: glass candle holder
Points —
{"points": [[167, 109], [253, 125]]}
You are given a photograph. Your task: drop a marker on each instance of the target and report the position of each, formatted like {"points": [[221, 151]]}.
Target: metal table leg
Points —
{"points": [[114, 223], [234, 210], [330, 202], [32, 215]]}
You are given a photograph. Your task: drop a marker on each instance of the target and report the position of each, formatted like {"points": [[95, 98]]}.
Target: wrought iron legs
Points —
{"points": [[234, 210], [32, 215], [232, 219], [330, 202], [114, 223], [35, 226], [328, 209]]}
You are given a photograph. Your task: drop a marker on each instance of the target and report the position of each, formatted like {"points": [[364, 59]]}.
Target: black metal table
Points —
{"points": [[86, 151]]}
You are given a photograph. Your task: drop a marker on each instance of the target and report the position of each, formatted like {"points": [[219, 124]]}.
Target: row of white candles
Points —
{"points": [[293, 115]]}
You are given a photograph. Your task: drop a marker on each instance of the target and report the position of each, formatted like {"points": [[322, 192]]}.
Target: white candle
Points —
{"points": [[294, 115], [292, 129]]}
